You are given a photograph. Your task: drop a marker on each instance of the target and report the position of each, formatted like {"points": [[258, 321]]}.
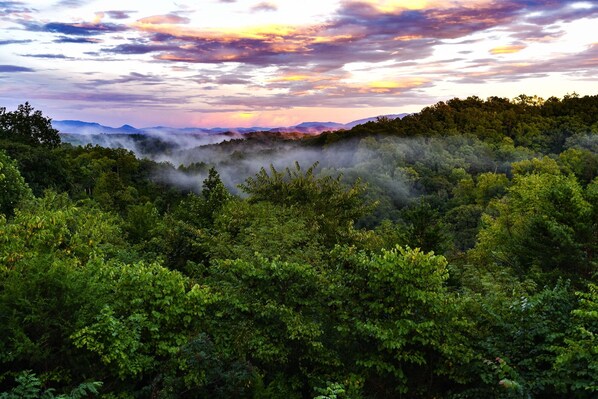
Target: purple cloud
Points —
{"points": [[14, 68], [5, 42], [83, 29], [264, 6], [67, 39], [13, 7], [118, 14], [57, 56]]}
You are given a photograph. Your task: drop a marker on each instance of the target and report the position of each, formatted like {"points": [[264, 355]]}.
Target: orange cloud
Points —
{"points": [[388, 86], [392, 6], [256, 32], [507, 49], [164, 19]]}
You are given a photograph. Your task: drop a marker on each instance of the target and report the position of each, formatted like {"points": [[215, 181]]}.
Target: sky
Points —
{"points": [[242, 63]]}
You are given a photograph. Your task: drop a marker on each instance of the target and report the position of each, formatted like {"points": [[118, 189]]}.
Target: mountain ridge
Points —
{"points": [[71, 126]]}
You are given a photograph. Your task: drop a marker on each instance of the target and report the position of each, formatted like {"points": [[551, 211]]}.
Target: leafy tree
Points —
{"points": [[424, 228], [12, 185], [330, 205], [29, 386], [146, 315], [201, 210], [577, 360], [28, 126], [514, 336], [543, 223], [272, 314], [42, 293], [399, 325], [242, 228]]}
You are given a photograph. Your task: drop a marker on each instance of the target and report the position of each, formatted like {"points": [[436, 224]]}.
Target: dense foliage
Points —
{"points": [[451, 253]]}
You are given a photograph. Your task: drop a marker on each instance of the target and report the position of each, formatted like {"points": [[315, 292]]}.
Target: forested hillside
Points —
{"points": [[447, 254]]}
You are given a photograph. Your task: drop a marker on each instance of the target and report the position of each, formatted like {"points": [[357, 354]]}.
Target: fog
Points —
{"points": [[154, 144], [392, 167]]}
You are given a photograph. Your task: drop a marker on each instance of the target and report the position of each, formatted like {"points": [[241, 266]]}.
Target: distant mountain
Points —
{"points": [[80, 127]]}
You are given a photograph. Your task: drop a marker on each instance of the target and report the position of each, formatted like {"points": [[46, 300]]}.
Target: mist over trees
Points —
{"points": [[450, 253]]}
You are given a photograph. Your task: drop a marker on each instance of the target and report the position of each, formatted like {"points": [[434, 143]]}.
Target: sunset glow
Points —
{"points": [[247, 62]]}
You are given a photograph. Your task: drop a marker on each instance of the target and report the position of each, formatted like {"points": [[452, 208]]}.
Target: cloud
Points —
{"points": [[382, 53], [164, 19], [67, 39], [117, 14], [507, 49], [584, 63], [306, 64], [13, 7], [56, 56], [71, 3], [264, 6], [528, 33], [140, 48], [14, 68], [232, 79], [131, 77], [359, 31], [83, 29], [14, 11], [327, 93], [6, 42], [113, 98]]}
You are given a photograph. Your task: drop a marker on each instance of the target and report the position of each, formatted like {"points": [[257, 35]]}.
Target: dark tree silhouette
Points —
{"points": [[28, 126]]}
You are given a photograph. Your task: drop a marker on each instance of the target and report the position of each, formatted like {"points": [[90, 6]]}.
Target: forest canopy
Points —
{"points": [[450, 253]]}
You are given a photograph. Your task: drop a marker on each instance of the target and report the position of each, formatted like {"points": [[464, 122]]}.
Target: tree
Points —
{"points": [[424, 229], [12, 185], [399, 326], [29, 386], [28, 126], [326, 201], [273, 314], [577, 360], [543, 224]]}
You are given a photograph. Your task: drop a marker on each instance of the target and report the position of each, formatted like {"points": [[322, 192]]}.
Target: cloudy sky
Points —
{"points": [[280, 62]]}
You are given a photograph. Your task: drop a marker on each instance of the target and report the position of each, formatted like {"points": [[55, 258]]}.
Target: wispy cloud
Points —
{"points": [[6, 42], [264, 6], [164, 19], [69, 39], [55, 56], [119, 14], [83, 29], [507, 49], [14, 68]]}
